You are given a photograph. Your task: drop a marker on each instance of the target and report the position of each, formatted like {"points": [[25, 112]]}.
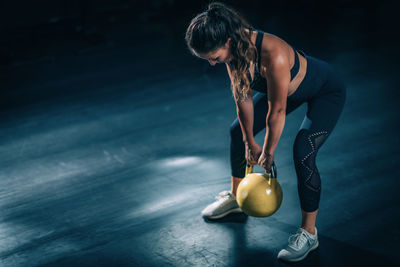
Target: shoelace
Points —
{"points": [[297, 240], [223, 194]]}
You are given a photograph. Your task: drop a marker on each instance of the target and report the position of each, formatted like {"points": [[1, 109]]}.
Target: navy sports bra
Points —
{"points": [[259, 83]]}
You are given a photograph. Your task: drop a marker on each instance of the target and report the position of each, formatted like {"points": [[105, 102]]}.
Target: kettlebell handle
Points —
{"points": [[272, 174]]}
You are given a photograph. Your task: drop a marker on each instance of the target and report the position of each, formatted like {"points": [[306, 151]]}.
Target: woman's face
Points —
{"points": [[221, 55]]}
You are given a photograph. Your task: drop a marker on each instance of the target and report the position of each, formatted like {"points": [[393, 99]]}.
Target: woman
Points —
{"points": [[284, 78]]}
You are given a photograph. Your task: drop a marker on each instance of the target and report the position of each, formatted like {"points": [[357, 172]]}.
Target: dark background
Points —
{"points": [[113, 137], [47, 31]]}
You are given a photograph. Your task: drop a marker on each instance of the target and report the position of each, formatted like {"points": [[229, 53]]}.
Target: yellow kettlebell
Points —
{"points": [[259, 194]]}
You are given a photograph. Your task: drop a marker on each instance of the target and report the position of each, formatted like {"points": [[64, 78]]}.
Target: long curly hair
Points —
{"points": [[209, 31]]}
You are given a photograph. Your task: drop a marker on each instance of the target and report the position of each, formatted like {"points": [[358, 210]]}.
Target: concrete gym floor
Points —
{"points": [[110, 152]]}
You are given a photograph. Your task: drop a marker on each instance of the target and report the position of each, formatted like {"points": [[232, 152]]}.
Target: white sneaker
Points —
{"points": [[225, 204], [300, 244]]}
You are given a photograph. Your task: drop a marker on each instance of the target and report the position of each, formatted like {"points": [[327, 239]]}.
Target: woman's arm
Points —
{"points": [[278, 79], [245, 114]]}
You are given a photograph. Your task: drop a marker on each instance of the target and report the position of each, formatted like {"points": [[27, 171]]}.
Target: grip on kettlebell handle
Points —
{"points": [[273, 172], [249, 169]]}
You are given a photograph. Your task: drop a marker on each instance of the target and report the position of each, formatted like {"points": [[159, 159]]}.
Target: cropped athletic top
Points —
{"points": [[259, 83]]}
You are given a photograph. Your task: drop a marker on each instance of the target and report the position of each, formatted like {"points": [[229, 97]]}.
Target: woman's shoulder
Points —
{"points": [[274, 50]]}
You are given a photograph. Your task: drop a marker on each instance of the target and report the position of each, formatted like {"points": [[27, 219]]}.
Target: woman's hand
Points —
{"points": [[265, 161], [253, 152]]}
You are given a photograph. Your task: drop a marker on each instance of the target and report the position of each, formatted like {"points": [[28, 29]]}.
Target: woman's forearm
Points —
{"points": [[245, 113], [275, 123]]}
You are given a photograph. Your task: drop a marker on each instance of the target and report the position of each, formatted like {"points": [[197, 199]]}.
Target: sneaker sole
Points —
{"points": [[305, 255], [237, 210]]}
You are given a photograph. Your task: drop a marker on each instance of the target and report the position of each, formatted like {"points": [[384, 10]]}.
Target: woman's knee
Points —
{"points": [[307, 143], [301, 147]]}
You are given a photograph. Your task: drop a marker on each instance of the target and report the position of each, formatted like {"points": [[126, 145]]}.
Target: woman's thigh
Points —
{"points": [[322, 116], [260, 102]]}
